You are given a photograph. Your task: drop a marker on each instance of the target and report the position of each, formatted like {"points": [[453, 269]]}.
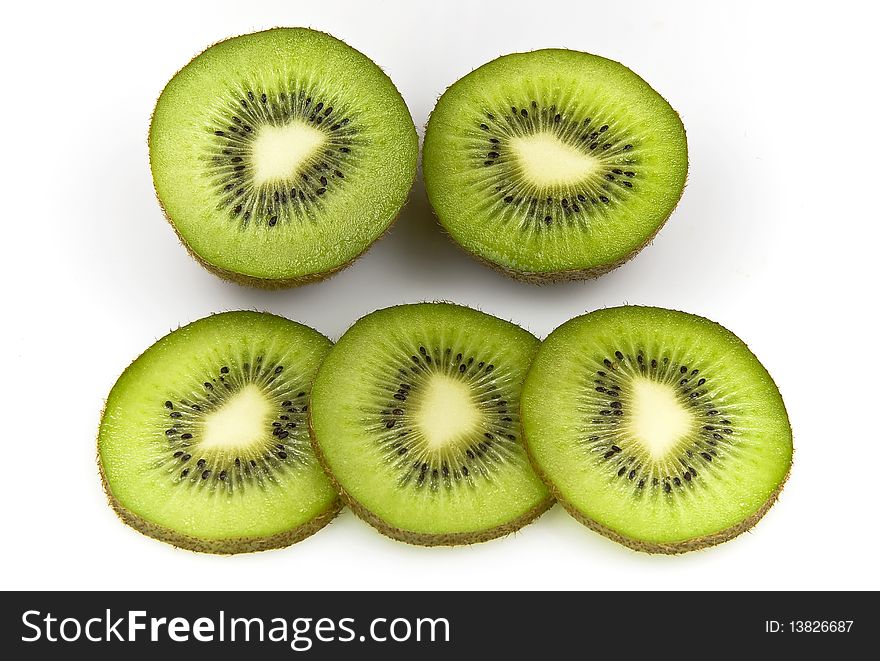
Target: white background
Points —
{"points": [[775, 238]]}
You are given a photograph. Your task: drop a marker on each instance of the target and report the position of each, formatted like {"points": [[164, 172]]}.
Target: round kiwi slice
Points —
{"points": [[554, 164], [204, 438], [658, 429], [415, 416], [280, 156]]}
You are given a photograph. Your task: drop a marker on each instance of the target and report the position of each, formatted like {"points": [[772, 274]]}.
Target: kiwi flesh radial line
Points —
{"points": [[656, 428], [553, 164], [415, 416], [280, 156], [204, 439]]}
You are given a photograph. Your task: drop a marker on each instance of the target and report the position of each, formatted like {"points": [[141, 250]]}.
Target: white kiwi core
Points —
{"points": [[279, 151], [659, 419], [546, 161], [241, 421], [446, 411]]}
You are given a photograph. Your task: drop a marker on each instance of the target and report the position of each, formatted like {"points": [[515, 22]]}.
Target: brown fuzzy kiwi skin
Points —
{"points": [[230, 546], [424, 539], [552, 277], [665, 548], [242, 278], [268, 283]]}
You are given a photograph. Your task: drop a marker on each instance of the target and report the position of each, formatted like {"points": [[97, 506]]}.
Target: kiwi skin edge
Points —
{"points": [[424, 539], [271, 283], [666, 548], [217, 546], [550, 277]]}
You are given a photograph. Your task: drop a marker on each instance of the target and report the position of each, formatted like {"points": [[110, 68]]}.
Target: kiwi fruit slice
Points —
{"points": [[204, 439], [280, 156], [554, 164], [415, 416], [656, 428]]}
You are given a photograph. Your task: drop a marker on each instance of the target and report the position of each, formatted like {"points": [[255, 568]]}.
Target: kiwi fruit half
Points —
{"points": [[415, 415], [204, 439], [554, 164], [280, 156], [656, 428]]}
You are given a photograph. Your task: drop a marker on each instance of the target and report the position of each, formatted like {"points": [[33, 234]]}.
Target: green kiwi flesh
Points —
{"points": [[280, 156], [204, 438], [658, 429], [415, 416], [553, 164]]}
